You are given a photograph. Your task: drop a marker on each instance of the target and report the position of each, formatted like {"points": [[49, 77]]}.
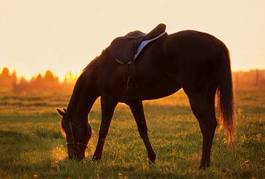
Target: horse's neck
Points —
{"points": [[83, 96]]}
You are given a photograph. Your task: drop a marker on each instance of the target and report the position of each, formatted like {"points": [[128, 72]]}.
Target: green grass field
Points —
{"points": [[31, 144]]}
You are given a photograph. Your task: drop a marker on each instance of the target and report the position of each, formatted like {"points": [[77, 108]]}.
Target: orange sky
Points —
{"points": [[64, 35]]}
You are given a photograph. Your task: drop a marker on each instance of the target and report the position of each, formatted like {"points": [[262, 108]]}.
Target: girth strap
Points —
{"points": [[131, 81]]}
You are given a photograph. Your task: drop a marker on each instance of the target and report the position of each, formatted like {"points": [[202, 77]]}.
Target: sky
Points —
{"points": [[64, 35]]}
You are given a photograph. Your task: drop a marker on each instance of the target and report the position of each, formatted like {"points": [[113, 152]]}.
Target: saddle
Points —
{"points": [[127, 48]]}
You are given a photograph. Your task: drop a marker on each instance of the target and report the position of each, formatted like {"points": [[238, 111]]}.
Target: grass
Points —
{"points": [[33, 147]]}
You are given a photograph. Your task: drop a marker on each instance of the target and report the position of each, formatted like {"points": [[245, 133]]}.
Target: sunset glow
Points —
{"points": [[64, 36]]}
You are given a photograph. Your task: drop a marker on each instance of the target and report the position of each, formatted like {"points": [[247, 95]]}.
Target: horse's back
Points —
{"points": [[190, 44], [187, 59]]}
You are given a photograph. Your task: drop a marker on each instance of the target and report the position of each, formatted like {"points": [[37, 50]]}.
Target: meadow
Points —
{"points": [[31, 144]]}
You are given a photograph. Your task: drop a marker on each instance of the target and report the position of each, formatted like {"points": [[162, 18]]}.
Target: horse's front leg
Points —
{"points": [[138, 113], [107, 108]]}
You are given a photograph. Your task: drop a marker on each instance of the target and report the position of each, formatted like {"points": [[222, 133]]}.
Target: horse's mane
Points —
{"points": [[95, 60], [82, 79]]}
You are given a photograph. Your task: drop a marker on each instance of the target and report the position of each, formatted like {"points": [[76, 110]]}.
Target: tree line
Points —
{"points": [[253, 79], [50, 83], [40, 84]]}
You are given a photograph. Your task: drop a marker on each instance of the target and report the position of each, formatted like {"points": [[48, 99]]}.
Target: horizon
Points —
{"points": [[74, 75], [35, 37]]}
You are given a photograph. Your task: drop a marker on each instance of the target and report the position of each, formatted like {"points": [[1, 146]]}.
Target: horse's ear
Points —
{"points": [[62, 113]]}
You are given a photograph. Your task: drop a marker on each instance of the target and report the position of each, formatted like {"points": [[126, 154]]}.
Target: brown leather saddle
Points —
{"points": [[125, 49]]}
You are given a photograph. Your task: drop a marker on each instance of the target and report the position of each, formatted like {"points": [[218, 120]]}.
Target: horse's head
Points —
{"points": [[77, 133]]}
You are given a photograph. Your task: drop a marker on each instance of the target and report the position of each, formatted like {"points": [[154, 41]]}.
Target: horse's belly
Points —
{"points": [[151, 90], [159, 91]]}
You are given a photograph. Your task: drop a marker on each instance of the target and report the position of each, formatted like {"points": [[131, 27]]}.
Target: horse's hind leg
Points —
{"points": [[202, 105], [138, 113]]}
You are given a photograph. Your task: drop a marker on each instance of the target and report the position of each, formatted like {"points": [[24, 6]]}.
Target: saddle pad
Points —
{"points": [[144, 43]]}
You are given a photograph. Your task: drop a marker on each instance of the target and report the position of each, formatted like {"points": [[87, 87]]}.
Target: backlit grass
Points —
{"points": [[33, 147]]}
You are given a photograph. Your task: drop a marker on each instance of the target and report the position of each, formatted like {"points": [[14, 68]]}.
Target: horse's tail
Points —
{"points": [[225, 88]]}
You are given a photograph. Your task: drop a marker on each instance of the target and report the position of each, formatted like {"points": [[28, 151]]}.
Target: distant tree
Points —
{"points": [[39, 77], [7, 80], [49, 76], [257, 77], [70, 78], [14, 77], [5, 72], [22, 86]]}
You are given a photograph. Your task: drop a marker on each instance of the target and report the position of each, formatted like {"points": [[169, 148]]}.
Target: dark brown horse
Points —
{"points": [[195, 61]]}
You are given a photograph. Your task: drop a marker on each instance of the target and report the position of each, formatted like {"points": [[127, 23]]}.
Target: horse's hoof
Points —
{"points": [[152, 158], [203, 167], [151, 163], [95, 158]]}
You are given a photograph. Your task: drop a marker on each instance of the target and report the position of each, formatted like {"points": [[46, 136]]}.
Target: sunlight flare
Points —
{"points": [[59, 153]]}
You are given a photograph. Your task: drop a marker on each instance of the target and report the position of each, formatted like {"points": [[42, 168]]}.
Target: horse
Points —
{"points": [[194, 61]]}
